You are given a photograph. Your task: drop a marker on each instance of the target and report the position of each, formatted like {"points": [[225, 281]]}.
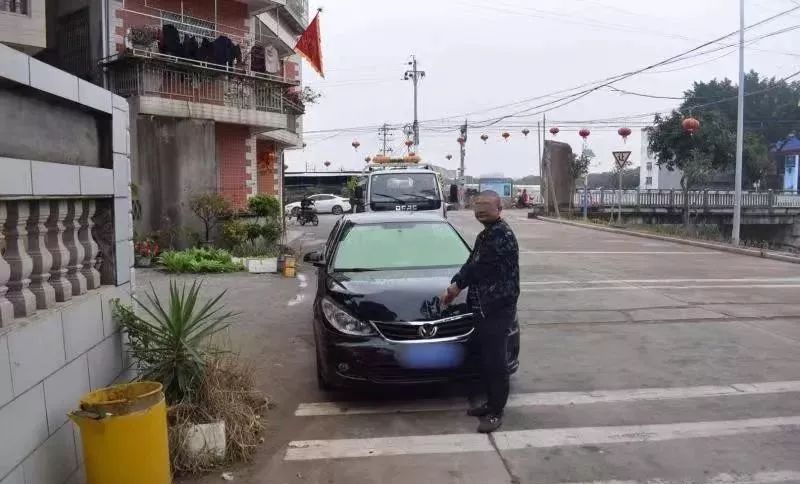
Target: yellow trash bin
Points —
{"points": [[124, 434]]}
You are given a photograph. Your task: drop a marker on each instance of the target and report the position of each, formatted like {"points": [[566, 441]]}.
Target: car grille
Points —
{"points": [[409, 331]]}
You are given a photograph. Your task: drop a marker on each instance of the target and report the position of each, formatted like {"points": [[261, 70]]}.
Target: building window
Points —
{"points": [[649, 166], [14, 6], [648, 181]]}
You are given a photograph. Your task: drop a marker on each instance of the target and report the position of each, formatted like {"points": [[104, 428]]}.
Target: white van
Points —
{"points": [[400, 188]]}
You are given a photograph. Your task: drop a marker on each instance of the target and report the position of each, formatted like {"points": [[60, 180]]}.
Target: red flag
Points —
{"points": [[310, 45]]}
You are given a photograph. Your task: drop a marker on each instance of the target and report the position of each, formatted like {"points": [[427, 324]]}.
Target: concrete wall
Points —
{"points": [[173, 160], [27, 32], [35, 126], [48, 360]]}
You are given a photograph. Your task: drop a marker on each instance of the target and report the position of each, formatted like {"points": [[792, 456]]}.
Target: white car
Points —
{"points": [[323, 203]]}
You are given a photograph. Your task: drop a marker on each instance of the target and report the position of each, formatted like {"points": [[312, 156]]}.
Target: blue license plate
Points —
{"points": [[431, 355]]}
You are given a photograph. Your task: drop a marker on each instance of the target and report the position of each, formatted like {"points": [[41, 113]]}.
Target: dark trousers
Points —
{"points": [[492, 338]]}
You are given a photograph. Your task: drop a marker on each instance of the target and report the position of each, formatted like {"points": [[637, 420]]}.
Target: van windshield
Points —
{"points": [[404, 191]]}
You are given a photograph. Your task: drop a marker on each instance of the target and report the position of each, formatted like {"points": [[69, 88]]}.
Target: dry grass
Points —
{"points": [[227, 393]]}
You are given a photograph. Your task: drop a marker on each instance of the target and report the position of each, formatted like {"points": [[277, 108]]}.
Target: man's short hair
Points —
{"points": [[494, 195]]}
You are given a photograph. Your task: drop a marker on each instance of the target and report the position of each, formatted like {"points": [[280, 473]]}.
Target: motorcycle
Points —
{"points": [[307, 215]]}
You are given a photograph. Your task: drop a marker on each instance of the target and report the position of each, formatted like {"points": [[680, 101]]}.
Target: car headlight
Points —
{"points": [[343, 321]]}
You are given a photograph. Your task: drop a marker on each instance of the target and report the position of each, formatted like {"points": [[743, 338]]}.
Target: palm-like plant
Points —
{"points": [[171, 345]]}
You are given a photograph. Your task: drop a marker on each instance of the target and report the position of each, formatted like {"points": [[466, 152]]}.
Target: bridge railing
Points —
{"points": [[698, 199]]}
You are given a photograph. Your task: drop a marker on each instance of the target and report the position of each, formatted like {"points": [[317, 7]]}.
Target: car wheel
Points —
{"points": [[322, 383], [295, 211], [337, 210]]}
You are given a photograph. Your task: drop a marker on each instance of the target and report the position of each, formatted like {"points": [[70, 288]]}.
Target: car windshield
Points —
{"points": [[399, 245], [404, 186]]}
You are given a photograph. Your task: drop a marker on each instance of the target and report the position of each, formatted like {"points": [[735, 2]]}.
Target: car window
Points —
{"points": [[331, 237], [324, 197], [399, 245]]}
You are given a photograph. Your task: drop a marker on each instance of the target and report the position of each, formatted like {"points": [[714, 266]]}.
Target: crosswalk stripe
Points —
{"points": [[526, 439], [765, 477], [550, 399]]}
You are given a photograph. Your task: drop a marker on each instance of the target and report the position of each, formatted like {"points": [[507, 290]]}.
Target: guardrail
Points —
{"points": [[698, 199]]}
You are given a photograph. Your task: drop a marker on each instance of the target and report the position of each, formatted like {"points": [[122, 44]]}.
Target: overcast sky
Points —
{"points": [[479, 54]]}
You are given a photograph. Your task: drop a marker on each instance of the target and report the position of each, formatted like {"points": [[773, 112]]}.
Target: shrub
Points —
{"points": [[264, 206], [234, 232], [253, 231], [198, 261], [170, 344], [271, 231]]}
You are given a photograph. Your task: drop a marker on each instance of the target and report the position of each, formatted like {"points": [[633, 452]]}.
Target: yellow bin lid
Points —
{"points": [[123, 399]]}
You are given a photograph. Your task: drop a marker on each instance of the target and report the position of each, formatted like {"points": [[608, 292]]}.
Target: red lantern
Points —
{"points": [[690, 125], [624, 132], [461, 140], [449, 157], [484, 137], [554, 130], [584, 133], [327, 164], [526, 132], [506, 135], [409, 143], [368, 159], [355, 144]]}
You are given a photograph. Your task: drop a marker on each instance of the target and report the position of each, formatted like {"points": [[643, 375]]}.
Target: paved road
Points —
{"points": [[641, 360]]}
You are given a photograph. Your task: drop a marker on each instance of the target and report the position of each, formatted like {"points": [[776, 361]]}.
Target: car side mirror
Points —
{"points": [[449, 207], [315, 257], [359, 192]]}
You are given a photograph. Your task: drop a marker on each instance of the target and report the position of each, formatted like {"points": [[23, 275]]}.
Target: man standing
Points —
{"points": [[492, 275]]}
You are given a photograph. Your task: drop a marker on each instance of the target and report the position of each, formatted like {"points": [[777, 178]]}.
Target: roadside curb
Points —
{"points": [[694, 243]]}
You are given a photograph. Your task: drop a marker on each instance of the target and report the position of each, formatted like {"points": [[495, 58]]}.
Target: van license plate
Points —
{"points": [[405, 208]]}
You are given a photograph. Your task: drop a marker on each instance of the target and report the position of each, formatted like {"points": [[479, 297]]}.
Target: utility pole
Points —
{"points": [[547, 162], [415, 75], [385, 134], [542, 184], [737, 202], [462, 179]]}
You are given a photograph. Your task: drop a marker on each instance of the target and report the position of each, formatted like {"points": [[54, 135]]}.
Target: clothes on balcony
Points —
{"points": [[273, 60], [258, 59], [190, 47], [171, 41], [223, 51], [206, 51]]}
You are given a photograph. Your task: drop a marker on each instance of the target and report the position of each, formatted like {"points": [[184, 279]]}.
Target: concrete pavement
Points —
{"points": [[641, 360]]}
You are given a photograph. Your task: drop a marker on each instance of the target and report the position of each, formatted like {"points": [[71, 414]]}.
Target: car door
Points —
{"points": [[324, 203]]}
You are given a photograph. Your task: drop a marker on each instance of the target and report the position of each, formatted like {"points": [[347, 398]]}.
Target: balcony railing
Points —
{"points": [[698, 199], [14, 6], [299, 10], [200, 86], [51, 253]]}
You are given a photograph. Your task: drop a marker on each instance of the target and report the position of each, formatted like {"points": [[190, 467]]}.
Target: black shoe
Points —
{"points": [[490, 423], [479, 411]]}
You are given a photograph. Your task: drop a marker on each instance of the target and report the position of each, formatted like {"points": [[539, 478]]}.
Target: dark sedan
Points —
{"points": [[377, 317]]}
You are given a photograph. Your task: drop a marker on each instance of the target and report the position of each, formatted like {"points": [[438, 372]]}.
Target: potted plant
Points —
{"points": [[144, 252]]}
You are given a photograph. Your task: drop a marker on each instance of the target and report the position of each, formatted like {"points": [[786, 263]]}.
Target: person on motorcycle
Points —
{"points": [[307, 213], [526, 199]]}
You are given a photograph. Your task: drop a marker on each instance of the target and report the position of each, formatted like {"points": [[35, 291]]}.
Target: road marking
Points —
{"points": [[550, 399], [640, 288], [766, 477], [527, 439], [615, 252], [302, 282], [659, 281]]}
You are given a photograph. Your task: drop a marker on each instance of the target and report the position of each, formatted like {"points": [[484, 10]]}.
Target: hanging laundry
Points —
{"points": [[206, 51], [190, 47], [272, 60], [170, 40], [223, 50], [257, 59]]}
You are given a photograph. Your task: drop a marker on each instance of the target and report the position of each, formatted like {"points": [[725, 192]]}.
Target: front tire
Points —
{"points": [[295, 211], [302, 220], [322, 382], [337, 210], [315, 220]]}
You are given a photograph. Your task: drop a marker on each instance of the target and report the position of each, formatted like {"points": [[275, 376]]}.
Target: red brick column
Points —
{"points": [[232, 143]]}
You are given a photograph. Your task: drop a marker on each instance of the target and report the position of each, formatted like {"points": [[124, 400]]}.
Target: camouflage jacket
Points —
{"points": [[492, 270]]}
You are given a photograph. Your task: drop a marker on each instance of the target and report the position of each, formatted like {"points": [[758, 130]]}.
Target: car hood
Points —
{"points": [[395, 295]]}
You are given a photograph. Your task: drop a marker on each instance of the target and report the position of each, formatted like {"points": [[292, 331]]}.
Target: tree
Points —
{"points": [[711, 148], [209, 207], [757, 161], [577, 168], [264, 206]]}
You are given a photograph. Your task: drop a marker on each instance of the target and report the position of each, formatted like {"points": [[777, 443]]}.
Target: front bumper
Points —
{"points": [[351, 361]]}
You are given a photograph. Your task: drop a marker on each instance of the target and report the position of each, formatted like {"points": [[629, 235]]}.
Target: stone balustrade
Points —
{"points": [[49, 253]]}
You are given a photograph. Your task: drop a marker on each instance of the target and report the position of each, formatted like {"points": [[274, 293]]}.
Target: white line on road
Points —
{"points": [[526, 439], [660, 281], [550, 399], [766, 477], [641, 288]]}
